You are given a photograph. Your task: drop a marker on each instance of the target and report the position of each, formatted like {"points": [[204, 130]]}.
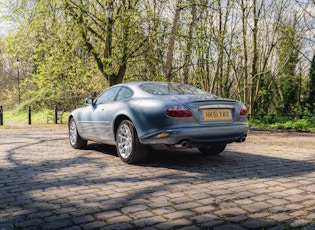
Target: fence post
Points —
{"points": [[56, 115], [29, 115], [1, 115], [273, 117]]}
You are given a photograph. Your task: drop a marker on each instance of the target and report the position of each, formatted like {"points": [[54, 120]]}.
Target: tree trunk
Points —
{"points": [[189, 44], [170, 50], [108, 44], [245, 53]]}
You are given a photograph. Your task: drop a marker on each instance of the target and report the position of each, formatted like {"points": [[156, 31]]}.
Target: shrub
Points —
{"points": [[282, 122], [302, 124]]}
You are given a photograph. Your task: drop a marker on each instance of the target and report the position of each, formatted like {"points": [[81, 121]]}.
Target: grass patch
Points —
{"points": [[284, 123], [40, 117]]}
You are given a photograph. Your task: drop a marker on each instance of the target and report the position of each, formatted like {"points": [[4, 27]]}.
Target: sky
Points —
{"points": [[4, 24]]}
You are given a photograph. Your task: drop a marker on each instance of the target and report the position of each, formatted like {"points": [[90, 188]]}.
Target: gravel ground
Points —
{"points": [[283, 138]]}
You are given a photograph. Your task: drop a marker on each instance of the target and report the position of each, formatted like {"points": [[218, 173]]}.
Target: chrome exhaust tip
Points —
{"points": [[242, 139], [182, 145]]}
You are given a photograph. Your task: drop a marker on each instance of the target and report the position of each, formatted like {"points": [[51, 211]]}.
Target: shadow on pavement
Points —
{"points": [[86, 189]]}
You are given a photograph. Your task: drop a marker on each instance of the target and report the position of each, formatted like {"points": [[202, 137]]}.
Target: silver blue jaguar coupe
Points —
{"points": [[136, 115]]}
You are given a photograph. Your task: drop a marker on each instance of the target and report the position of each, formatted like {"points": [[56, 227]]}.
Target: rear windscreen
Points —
{"points": [[161, 88]]}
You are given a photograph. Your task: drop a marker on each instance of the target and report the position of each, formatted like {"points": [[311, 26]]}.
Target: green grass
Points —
{"points": [[37, 118]]}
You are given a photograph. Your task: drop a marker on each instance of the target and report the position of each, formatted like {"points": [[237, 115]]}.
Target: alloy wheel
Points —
{"points": [[73, 135], [124, 141]]}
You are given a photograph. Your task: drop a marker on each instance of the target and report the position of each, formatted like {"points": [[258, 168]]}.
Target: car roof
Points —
{"points": [[137, 83]]}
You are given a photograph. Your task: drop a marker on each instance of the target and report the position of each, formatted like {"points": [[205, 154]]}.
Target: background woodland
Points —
{"points": [[59, 52]]}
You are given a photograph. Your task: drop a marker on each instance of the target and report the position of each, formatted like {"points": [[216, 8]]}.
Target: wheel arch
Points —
{"points": [[69, 118], [117, 121], [76, 141], [72, 116]]}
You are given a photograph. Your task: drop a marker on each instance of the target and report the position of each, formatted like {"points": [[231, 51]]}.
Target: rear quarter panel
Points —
{"points": [[149, 116]]}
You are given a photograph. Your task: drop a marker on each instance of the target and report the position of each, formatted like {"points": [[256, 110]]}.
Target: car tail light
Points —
{"points": [[243, 110], [178, 111]]}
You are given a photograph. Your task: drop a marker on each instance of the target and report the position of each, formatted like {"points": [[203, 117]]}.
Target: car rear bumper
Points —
{"points": [[198, 135]]}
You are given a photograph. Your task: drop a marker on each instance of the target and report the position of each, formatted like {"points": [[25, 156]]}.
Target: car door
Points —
{"points": [[100, 122]]}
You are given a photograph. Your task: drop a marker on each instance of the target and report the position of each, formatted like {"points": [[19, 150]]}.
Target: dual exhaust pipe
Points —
{"points": [[182, 145], [186, 144], [242, 139]]}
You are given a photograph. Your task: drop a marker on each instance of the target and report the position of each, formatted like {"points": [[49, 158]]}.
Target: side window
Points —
{"points": [[107, 96], [124, 93]]}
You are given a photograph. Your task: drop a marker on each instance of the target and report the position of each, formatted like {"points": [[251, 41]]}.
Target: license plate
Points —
{"points": [[216, 114]]}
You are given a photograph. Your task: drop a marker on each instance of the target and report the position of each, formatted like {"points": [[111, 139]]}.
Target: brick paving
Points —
{"points": [[267, 182]]}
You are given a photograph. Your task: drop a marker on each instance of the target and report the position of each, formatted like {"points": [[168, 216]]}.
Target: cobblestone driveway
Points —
{"points": [[264, 183]]}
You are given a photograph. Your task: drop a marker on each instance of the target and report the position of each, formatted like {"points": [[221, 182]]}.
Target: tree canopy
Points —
{"points": [[259, 52]]}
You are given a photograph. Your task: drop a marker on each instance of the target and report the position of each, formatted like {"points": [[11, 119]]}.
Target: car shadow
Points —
{"points": [[63, 183], [231, 164], [102, 148]]}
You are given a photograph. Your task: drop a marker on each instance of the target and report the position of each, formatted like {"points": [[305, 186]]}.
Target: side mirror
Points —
{"points": [[89, 101]]}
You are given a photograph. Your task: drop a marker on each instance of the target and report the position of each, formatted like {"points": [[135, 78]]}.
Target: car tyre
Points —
{"points": [[213, 149], [74, 138], [129, 149]]}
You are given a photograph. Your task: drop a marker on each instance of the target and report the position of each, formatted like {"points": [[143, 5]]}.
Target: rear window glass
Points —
{"points": [[160, 88]]}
